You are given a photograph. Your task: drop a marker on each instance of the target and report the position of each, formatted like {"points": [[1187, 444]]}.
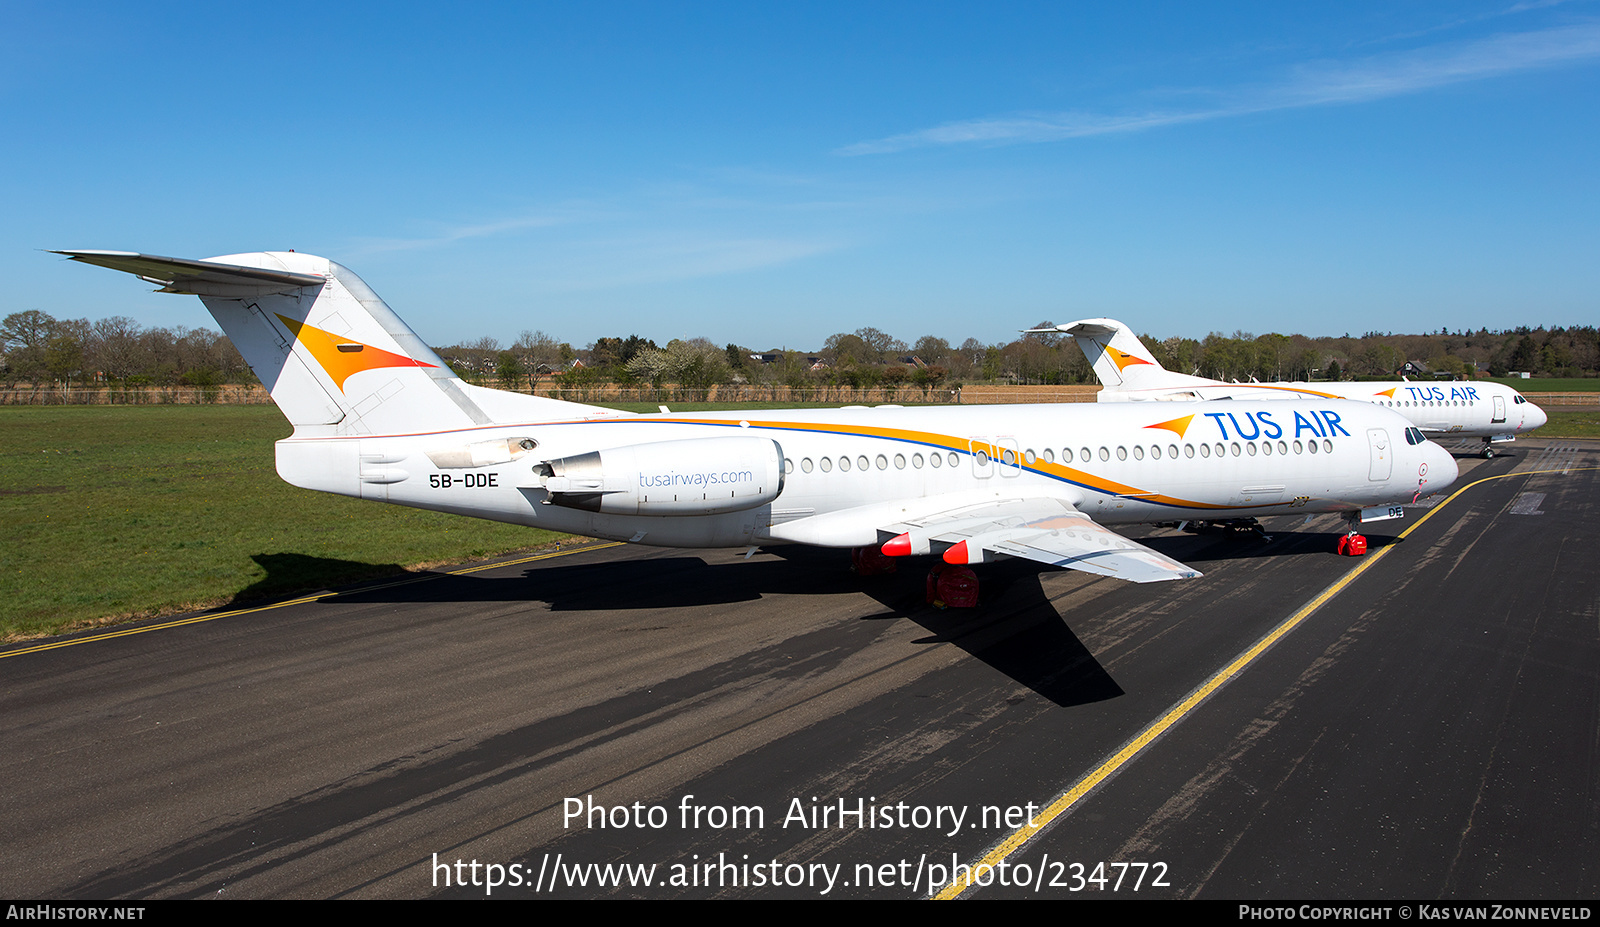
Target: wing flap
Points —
{"points": [[1097, 550], [1045, 530]]}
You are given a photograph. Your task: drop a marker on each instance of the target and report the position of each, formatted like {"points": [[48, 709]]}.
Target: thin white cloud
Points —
{"points": [[1311, 85], [1513, 10], [1425, 69], [458, 233], [666, 256]]}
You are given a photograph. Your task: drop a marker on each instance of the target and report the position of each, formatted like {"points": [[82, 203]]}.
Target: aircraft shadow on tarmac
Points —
{"points": [[287, 573], [1016, 629], [1289, 539], [1017, 632]]}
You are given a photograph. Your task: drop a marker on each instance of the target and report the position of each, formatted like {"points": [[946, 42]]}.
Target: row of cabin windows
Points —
{"points": [[1220, 449], [826, 464], [1083, 455]]}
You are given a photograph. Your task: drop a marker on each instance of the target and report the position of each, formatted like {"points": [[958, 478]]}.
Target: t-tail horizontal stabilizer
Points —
{"points": [[335, 357], [199, 278], [1120, 359]]}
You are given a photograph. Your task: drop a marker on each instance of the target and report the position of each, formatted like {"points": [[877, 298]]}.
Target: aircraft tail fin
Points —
{"points": [[1120, 359], [334, 356], [1112, 349]]}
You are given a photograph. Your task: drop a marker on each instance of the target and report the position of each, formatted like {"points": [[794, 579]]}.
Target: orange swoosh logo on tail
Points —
{"points": [[1123, 359], [343, 358]]}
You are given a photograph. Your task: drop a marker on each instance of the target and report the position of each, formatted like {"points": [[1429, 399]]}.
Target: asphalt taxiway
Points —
{"points": [[1428, 727]]}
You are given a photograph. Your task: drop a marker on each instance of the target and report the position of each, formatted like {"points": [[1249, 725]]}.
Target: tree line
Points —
{"points": [[37, 348], [868, 358]]}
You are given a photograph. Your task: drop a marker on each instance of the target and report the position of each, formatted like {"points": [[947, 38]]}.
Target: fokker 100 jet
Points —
{"points": [[1130, 373], [377, 415]]}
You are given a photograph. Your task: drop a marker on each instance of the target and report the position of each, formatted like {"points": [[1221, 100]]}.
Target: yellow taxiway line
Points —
{"points": [[1144, 738]]}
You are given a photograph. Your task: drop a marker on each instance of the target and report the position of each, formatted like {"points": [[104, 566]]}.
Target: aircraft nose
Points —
{"points": [[1533, 418], [1437, 471]]}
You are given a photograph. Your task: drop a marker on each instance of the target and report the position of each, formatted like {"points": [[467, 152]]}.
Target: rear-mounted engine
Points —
{"points": [[696, 476]]}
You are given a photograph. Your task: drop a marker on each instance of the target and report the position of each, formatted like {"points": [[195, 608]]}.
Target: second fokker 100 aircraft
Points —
{"points": [[377, 415], [1128, 372]]}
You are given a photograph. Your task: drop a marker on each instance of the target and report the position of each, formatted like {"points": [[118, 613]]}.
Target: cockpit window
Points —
{"points": [[1415, 436], [1518, 399]]}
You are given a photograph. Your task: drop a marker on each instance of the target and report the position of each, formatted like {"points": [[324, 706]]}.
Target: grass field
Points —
{"points": [[120, 511], [1583, 423], [115, 511]]}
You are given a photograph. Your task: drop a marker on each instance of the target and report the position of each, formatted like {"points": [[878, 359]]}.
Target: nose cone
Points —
{"points": [[1533, 417], [1437, 471]]}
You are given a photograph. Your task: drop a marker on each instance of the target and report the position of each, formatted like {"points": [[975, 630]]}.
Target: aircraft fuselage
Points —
{"points": [[841, 474]]}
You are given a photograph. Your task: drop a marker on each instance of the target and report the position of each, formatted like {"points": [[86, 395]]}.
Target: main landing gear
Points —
{"points": [[1246, 525], [870, 561], [949, 585]]}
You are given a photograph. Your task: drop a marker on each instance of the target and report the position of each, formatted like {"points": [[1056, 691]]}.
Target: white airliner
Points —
{"points": [[377, 415], [1130, 373]]}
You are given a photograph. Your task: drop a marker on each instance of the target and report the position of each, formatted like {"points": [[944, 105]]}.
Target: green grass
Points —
{"points": [[1582, 423], [118, 511]]}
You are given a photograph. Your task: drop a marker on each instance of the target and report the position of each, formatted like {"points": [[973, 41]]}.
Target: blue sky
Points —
{"points": [[772, 175]]}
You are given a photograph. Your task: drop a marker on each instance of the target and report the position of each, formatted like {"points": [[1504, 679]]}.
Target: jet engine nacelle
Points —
{"points": [[695, 476]]}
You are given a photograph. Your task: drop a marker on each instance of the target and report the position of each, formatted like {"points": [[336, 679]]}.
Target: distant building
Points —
{"points": [[815, 361]]}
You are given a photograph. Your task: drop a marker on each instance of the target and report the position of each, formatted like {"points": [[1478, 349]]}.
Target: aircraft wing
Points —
{"points": [[1046, 530]]}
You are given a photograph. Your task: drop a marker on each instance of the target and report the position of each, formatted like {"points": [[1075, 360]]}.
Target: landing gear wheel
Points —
{"points": [[870, 561], [1353, 544], [1488, 452], [952, 587]]}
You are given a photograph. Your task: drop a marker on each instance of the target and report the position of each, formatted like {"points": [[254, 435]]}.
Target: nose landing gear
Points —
{"points": [[1353, 544]]}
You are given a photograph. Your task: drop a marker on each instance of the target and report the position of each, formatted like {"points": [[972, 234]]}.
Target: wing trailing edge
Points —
{"points": [[1045, 530]]}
